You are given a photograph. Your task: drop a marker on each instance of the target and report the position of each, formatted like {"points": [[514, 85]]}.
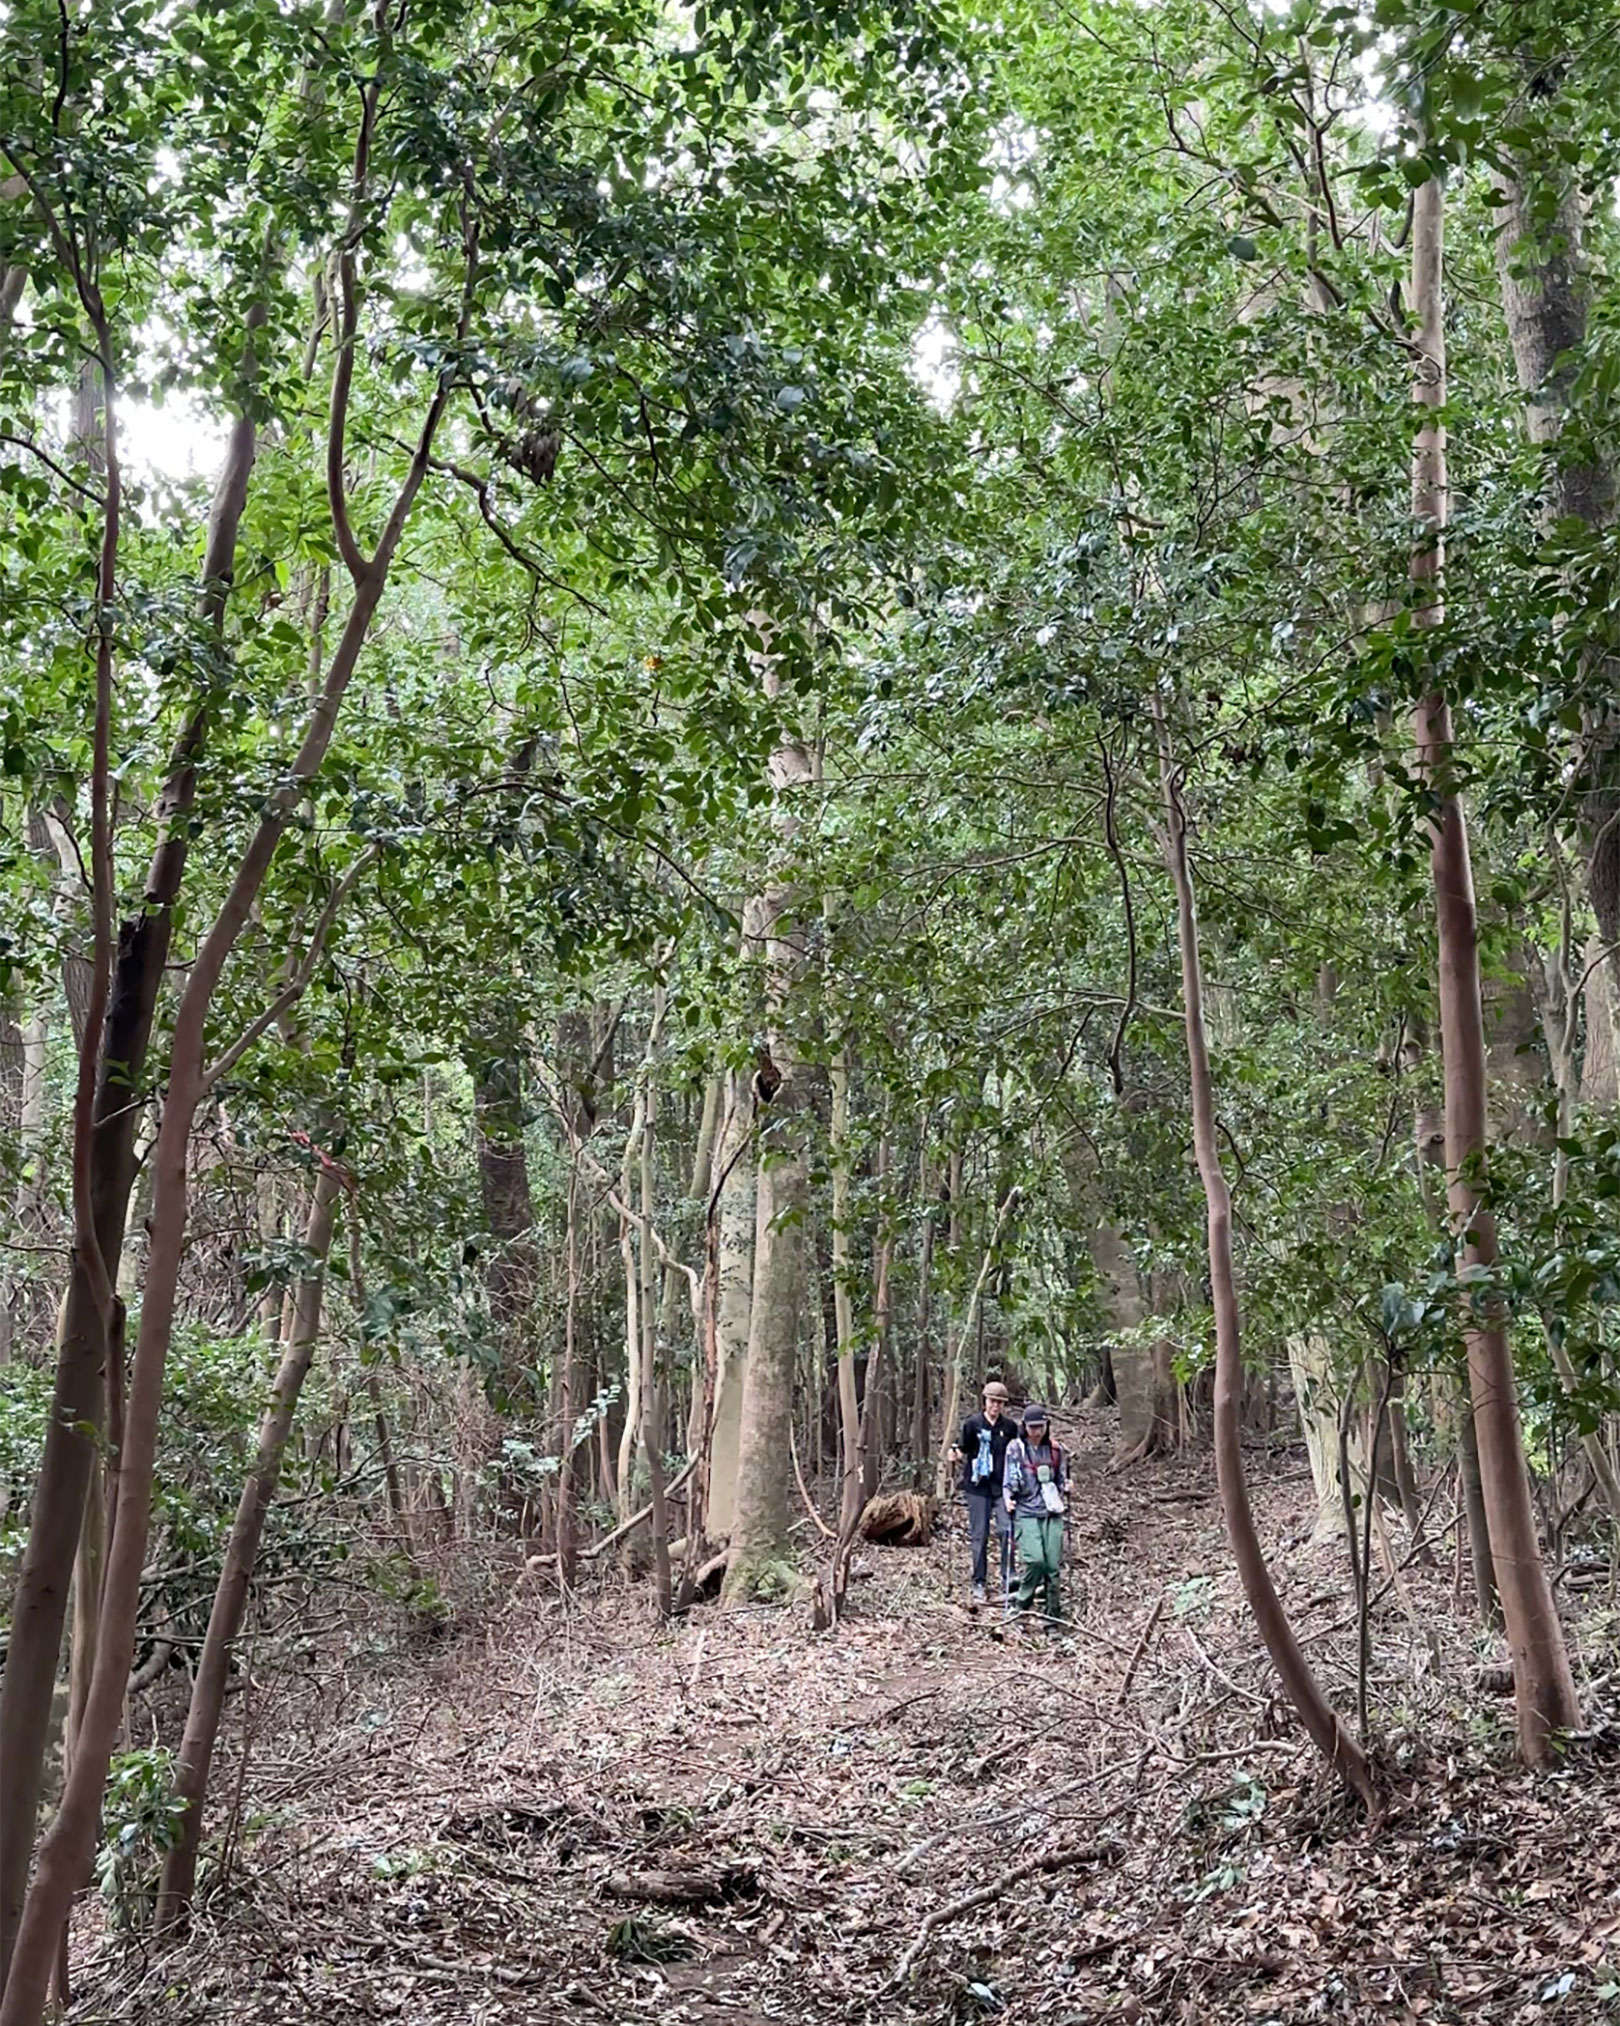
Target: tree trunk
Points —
{"points": [[40, 1600], [1600, 1060], [31, 1177], [1310, 1361], [1144, 1373], [1547, 300], [764, 1497], [879, 1416], [66, 1850], [957, 1355], [510, 1267], [764, 1508], [849, 1409], [1544, 1687], [1560, 1013], [921, 1445], [299, 1335], [733, 1208], [1293, 1670], [653, 1405], [503, 1178]]}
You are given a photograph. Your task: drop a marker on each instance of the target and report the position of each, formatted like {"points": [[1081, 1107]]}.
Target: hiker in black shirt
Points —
{"points": [[981, 1451]]}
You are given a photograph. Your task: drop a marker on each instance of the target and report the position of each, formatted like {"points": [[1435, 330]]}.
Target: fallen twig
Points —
{"points": [[1097, 1852], [1140, 1648]]}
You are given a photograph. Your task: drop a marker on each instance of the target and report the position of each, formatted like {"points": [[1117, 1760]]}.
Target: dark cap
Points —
{"points": [[1034, 1414]]}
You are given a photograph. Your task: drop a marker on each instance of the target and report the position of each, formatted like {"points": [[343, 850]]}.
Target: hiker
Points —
{"points": [[1035, 1478], [982, 1451]]}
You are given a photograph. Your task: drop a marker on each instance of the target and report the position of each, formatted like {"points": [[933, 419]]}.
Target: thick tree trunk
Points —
{"points": [[1547, 300], [1600, 1060], [299, 1335], [1316, 1395], [764, 1508], [1293, 1670], [764, 1498], [1144, 1373], [1544, 1687], [733, 1208]]}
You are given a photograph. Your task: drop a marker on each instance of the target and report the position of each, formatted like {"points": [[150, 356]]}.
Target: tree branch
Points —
{"points": [[298, 983]]}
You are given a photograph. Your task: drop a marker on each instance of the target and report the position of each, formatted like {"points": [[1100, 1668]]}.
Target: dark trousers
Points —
{"points": [[980, 1507]]}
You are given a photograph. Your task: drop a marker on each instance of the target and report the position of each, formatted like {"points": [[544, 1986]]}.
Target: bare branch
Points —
{"points": [[298, 983]]}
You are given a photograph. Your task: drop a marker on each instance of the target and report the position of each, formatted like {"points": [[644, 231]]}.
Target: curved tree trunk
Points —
{"points": [[849, 1408], [1544, 1687], [1293, 1669]]}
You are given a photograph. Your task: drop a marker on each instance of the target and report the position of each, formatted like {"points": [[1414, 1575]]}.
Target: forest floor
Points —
{"points": [[915, 1819]]}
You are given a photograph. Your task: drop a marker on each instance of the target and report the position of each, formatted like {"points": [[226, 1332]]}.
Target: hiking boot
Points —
{"points": [[978, 1593]]}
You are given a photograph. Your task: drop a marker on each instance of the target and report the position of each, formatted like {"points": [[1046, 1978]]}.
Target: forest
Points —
{"points": [[723, 724]]}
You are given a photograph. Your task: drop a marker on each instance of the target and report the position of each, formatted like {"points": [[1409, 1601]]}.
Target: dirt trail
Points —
{"points": [[496, 1836]]}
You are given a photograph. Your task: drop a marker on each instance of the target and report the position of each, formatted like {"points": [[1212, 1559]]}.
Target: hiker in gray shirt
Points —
{"points": [[1034, 1481]]}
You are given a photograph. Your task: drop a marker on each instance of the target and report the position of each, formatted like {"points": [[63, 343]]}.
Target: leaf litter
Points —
{"points": [[570, 1814]]}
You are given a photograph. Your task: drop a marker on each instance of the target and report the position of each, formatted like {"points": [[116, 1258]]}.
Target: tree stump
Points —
{"points": [[898, 1519]]}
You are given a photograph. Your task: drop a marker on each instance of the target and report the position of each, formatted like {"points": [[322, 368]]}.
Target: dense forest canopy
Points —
{"points": [[717, 716]]}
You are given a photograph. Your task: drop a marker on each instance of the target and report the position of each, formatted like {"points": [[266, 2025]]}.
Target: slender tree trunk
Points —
{"points": [[32, 1180], [503, 1177], [730, 1252], [653, 1405], [1561, 1007], [921, 1444], [512, 1266], [567, 1521], [956, 1357], [1544, 1687], [1293, 1669], [879, 1415], [1481, 1562], [849, 1408], [299, 1335]]}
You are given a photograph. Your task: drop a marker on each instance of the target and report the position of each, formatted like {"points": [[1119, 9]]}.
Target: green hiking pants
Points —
{"points": [[1040, 1550]]}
